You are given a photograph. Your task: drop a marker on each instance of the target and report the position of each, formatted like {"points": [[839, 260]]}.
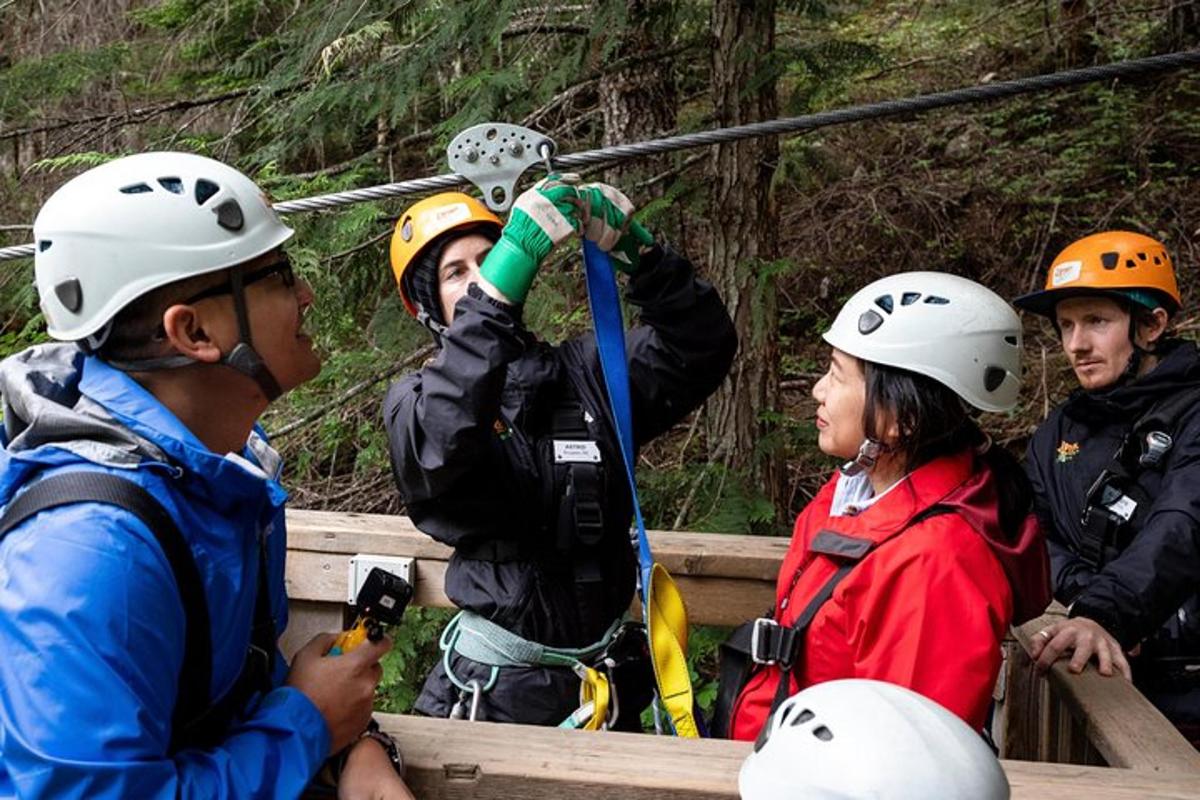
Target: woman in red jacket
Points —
{"points": [[913, 560]]}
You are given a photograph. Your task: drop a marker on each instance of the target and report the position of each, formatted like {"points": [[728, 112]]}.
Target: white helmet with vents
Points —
{"points": [[134, 224], [868, 739], [954, 330]]}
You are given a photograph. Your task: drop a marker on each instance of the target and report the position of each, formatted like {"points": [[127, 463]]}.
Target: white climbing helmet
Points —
{"points": [[961, 334], [134, 224], [868, 739]]}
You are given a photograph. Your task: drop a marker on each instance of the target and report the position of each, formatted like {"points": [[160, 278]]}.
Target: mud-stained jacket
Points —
{"points": [[1149, 592], [471, 437]]}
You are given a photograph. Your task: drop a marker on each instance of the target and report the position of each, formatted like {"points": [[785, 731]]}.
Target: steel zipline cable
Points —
{"points": [[842, 116]]}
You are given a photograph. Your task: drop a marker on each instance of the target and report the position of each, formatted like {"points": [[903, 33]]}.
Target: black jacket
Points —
{"points": [[1149, 591], [470, 437]]}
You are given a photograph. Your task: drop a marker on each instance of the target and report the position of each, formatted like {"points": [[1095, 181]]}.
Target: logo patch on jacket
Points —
{"points": [[501, 429], [1066, 451]]}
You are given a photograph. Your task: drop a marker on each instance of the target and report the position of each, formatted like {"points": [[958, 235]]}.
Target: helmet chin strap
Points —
{"points": [[868, 453], [243, 357]]}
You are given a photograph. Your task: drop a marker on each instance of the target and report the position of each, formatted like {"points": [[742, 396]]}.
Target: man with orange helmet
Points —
{"points": [[503, 446], [1115, 470]]}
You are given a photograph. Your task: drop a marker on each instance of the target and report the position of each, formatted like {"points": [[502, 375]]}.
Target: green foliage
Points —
{"points": [[29, 85], [73, 161], [413, 655]]}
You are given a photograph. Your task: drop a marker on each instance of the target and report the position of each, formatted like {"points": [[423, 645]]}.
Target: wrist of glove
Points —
{"points": [[607, 219], [542, 216]]}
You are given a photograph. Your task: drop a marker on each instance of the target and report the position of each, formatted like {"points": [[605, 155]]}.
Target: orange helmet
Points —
{"points": [[426, 220], [1128, 265]]}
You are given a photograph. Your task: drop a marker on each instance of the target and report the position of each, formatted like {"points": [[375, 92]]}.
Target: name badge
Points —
{"points": [[1123, 507], [575, 452]]}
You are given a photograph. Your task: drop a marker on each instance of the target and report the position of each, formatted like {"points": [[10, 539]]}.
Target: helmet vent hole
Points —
{"points": [[823, 733], [172, 185], [885, 302], [934, 300], [803, 717], [70, 294], [1141, 256], [204, 190], [1012, 340], [868, 322], [908, 298], [44, 245], [992, 378], [1130, 263], [1109, 260], [229, 215], [136, 188], [1157, 261]]}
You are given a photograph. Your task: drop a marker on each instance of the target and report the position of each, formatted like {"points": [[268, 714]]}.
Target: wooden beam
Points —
{"points": [[725, 580], [450, 759], [1121, 724]]}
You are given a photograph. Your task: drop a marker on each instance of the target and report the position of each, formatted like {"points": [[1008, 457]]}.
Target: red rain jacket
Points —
{"points": [[927, 609]]}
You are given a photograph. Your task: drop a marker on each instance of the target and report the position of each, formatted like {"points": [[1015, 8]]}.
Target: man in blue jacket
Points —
{"points": [[137, 652]]}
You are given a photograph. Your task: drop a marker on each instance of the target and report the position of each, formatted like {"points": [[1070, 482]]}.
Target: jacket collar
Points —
{"points": [[919, 490]]}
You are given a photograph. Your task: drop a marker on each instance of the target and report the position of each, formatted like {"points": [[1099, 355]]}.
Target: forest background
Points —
{"points": [[314, 97]]}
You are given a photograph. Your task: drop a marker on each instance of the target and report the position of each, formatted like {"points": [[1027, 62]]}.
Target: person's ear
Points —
{"points": [[1152, 326], [185, 331]]}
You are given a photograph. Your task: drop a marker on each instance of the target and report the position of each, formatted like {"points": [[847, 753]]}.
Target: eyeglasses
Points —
{"points": [[282, 268]]}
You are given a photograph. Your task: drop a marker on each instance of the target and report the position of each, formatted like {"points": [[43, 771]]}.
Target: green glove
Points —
{"points": [[542, 217], [607, 220]]}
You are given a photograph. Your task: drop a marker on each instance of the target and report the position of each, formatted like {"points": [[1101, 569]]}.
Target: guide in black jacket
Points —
{"points": [[1116, 468], [502, 445]]}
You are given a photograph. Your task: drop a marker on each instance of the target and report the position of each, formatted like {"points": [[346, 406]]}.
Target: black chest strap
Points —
{"points": [[195, 722], [1108, 521]]}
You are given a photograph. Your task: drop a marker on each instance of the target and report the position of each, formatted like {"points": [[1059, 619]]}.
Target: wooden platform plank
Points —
{"points": [[682, 553], [487, 761]]}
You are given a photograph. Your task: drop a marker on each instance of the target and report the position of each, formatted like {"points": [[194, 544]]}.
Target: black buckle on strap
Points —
{"points": [[772, 643]]}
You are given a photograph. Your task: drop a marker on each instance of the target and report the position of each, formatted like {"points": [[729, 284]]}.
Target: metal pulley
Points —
{"points": [[494, 156]]}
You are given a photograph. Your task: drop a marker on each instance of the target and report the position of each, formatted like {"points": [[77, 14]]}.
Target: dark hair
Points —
{"points": [[421, 281], [933, 421]]}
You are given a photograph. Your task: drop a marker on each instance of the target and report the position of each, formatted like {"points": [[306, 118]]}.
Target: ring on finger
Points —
{"points": [[1044, 632]]}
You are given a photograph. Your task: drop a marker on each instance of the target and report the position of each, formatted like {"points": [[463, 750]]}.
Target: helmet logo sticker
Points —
{"points": [[229, 215], [70, 294], [451, 214], [1066, 272]]}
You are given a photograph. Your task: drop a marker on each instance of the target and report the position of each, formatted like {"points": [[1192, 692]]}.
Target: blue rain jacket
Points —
{"points": [[91, 624]]}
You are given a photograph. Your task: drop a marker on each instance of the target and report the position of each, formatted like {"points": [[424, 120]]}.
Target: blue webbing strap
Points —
{"points": [[605, 303]]}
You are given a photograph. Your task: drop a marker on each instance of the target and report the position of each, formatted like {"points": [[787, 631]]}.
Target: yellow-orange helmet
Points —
{"points": [[1120, 263], [426, 220]]}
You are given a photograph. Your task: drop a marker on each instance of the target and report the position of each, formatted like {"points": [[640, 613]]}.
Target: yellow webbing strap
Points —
{"points": [[667, 628]]}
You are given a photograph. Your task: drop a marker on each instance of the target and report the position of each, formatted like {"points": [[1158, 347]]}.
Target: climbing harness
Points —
{"points": [[841, 116], [484, 642]]}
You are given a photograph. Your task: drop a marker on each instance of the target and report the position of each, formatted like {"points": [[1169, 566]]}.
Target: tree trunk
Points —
{"points": [[744, 222], [1079, 25], [639, 102]]}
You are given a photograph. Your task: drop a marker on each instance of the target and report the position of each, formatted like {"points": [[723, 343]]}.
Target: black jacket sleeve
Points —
{"points": [[439, 419], [1135, 593], [681, 350]]}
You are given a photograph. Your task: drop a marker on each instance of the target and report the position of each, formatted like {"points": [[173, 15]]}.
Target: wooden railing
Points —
{"points": [[451, 759], [1057, 717]]}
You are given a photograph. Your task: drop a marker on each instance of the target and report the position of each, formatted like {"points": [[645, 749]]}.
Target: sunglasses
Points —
{"points": [[282, 268]]}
